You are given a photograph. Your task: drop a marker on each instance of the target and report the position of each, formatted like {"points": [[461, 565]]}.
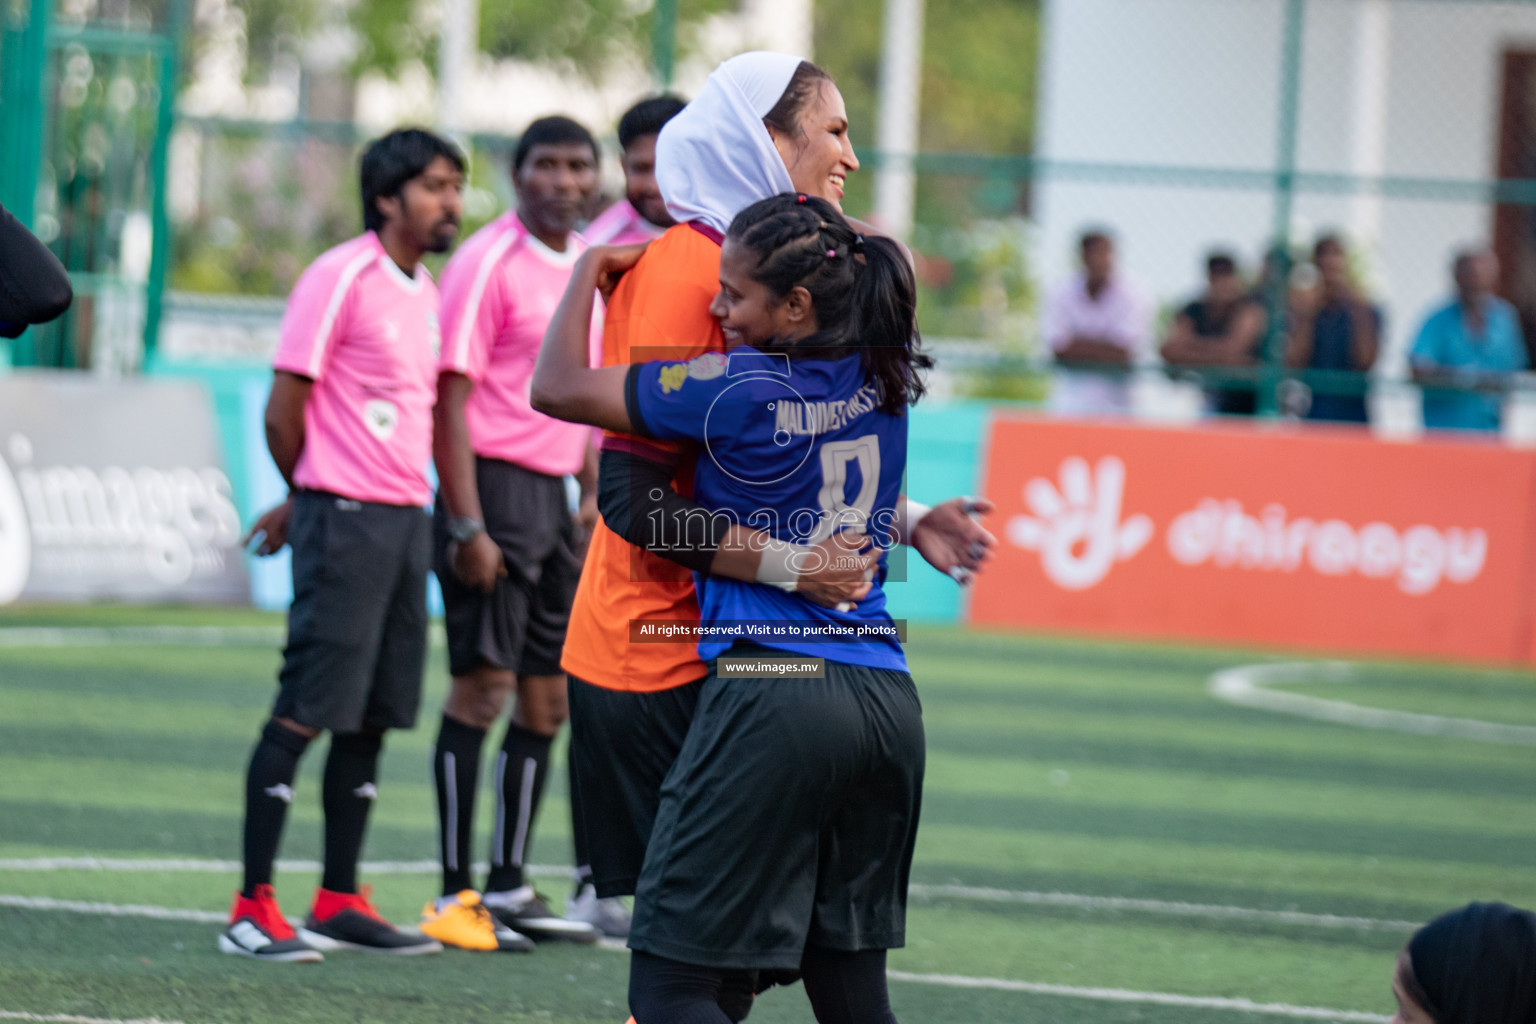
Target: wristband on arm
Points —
{"points": [[908, 514], [780, 565]]}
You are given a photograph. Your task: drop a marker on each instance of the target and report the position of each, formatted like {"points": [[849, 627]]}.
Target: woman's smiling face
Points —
{"points": [[819, 157], [748, 311]]}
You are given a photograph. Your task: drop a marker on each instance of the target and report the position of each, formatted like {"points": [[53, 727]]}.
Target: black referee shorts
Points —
{"points": [[788, 818], [623, 744], [357, 628], [520, 624]]}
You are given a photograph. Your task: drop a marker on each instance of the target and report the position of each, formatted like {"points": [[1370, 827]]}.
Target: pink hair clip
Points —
{"points": [[831, 254]]}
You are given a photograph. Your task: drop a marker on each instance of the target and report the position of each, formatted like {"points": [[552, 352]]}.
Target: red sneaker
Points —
{"points": [[258, 929], [349, 920]]}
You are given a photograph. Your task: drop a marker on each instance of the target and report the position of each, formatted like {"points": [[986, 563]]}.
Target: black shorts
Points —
{"points": [[788, 819], [357, 628], [622, 746], [520, 625]]}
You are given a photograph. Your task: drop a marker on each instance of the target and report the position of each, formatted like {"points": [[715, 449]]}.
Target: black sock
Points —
{"points": [[847, 988], [520, 774], [351, 771], [456, 770], [268, 792], [663, 991], [578, 827]]}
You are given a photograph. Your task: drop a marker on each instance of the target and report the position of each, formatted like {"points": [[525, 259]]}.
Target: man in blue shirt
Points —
{"points": [[1472, 343]]}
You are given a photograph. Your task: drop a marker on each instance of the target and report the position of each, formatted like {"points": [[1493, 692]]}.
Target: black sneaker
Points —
{"points": [[525, 911], [341, 920], [257, 929]]}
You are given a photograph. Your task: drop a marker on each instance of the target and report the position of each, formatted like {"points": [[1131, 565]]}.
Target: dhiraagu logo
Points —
{"points": [[1076, 525], [15, 535]]}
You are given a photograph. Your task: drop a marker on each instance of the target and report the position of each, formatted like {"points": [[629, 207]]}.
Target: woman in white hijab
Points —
{"points": [[764, 124]]}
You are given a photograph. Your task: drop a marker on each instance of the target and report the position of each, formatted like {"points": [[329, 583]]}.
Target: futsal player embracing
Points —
{"points": [[508, 551], [349, 424], [786, 825]]}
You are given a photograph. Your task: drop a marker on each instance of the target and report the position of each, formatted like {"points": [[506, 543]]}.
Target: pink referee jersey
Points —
{"points": [[367, 335], [500, 291], [620, 224]]}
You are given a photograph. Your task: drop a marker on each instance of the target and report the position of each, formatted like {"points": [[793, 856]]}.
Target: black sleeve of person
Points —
{"points": [[632, 403], [34, 287], [637, 502]]}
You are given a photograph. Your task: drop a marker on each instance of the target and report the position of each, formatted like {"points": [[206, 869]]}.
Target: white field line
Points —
{"points": [[915, 891], [158, 636], [112, 909], [947, 980], [1248, 686], [1120, 995], [70, 1018], [1165, 907], [193, 866], [139, 636]]}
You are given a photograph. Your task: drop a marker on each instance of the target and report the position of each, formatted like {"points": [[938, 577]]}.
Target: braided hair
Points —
{"points": [[862, 289]]}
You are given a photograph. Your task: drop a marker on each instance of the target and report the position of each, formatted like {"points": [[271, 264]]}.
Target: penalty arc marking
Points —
{"points": [[1250, 686]]}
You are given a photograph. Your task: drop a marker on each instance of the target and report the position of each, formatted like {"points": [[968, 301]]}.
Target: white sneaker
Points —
{"points": [[609, 916]]}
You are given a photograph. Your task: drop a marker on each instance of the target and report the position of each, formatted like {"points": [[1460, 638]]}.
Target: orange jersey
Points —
{"points": [[659, 310]]}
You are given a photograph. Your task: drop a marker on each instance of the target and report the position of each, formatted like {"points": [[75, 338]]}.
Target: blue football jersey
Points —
{"points": [[799, 449]]}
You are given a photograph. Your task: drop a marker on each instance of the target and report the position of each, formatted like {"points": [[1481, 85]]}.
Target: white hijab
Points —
{"points": [[716, 158]]}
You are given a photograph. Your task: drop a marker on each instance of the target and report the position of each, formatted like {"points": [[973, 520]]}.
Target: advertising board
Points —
{"points": [[1292, 537], [114, 490]]}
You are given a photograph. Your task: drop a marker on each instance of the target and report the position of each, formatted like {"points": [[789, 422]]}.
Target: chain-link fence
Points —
{"points": [[1405, 128], [86, 91]]}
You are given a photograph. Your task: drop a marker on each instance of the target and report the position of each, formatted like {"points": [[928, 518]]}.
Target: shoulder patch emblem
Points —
{"points": [[672, 377], [707, 366]]}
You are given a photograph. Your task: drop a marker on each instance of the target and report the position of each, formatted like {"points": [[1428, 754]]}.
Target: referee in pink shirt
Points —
{"points": [[349, 424], [506, 547]]}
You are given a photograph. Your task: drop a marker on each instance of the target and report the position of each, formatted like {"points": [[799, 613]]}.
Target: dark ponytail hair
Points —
{"points": [[862, 289]]}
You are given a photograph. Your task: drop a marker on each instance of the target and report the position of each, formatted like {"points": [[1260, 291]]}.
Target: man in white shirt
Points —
{"points": [[1097, 326]]}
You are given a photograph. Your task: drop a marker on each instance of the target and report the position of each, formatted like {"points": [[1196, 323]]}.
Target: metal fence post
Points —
{"points": [[23, 61], [663, 43], [160, 229], [1277, 292]]}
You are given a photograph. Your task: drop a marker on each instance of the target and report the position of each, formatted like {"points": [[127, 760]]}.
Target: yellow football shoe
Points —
{"points": [[463, 922]]}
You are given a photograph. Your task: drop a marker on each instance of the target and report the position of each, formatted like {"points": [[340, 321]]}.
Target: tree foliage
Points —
{"points": [[584, 35], [978, 91]]}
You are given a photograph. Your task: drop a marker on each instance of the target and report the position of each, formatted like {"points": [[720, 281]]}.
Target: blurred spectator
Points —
{"points": [[1334, 328], [1475, 965], [33, 285], [1223, 327], [1473, 342], [1097, 326], [641, 215]]}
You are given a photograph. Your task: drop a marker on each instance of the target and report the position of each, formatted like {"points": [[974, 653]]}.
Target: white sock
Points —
{"points": [[509, 898]]}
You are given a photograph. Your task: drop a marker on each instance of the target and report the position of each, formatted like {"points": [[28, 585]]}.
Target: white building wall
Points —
{"points": [[1408, 89]]}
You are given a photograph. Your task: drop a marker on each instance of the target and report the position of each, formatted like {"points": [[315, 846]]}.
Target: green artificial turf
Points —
{"points": [[1055, 767]]}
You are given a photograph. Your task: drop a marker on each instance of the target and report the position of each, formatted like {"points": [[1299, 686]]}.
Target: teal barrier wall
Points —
{"points": [[943, 461], [227, 385]]}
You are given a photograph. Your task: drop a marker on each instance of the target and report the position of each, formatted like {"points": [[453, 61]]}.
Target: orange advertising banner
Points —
{"points": [[1288, 536]]}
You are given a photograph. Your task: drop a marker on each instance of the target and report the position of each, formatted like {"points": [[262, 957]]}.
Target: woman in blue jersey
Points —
{"points": [[785, 834]]}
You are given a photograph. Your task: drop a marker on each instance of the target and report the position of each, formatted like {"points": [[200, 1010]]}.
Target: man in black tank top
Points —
{"points": [[1224, 327]]}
